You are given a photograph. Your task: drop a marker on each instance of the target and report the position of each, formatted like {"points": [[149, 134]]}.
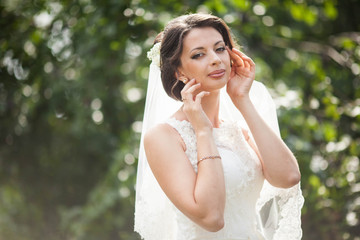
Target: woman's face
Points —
{"points": [[205, 58]]}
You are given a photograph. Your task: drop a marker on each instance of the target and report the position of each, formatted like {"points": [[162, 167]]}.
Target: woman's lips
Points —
{"points": [[217, 73]]}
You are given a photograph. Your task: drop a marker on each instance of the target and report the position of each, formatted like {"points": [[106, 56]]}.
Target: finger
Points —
{"points": [[243, 56], [193, 88], [188, 94], [251, 64], [189, 84], [200, 96], [250, 61], [235, 57], [186, 87], [247, 64]]}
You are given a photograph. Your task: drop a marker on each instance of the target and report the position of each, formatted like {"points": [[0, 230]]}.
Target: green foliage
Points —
{"points": [[72, 87]]}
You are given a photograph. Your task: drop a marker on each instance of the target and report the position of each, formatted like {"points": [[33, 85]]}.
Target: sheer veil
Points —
{"points": [[279, 210]]}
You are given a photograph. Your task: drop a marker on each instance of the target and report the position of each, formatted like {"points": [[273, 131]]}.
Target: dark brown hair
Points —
{"points": [[172, 45]]}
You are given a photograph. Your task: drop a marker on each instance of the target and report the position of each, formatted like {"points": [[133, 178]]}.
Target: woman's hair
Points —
{"points": [[172, 45]]}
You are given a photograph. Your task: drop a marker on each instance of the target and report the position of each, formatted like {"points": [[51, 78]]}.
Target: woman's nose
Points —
{"points": [[215, 59]]}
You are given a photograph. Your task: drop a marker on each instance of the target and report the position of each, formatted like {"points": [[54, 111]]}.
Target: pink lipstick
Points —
{"points": [[217, 74]]}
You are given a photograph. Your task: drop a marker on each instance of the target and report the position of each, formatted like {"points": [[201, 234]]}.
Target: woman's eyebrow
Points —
{"points": [[221, 41], [200, 48]]}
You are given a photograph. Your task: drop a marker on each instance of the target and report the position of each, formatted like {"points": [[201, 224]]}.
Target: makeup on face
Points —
{"points": [[205, 58]]}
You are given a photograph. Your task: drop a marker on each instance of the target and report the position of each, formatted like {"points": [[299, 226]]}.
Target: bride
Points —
{"points": [[219, 169]]}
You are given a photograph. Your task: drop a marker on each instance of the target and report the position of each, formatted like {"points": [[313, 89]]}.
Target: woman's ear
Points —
{"points": [[181, 77]]}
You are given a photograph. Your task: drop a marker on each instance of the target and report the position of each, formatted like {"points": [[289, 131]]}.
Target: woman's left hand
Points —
{"points": [[242, 75]]}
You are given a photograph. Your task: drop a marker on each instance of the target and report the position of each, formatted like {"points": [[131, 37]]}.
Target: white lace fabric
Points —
{"points": [[280, 212], [249, 204], [243, 183]]}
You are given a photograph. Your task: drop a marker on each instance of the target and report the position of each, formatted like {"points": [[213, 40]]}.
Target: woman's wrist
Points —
{"points": [[242, 103]]}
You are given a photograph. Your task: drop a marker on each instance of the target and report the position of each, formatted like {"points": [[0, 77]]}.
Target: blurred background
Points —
{"points": [[73, 77]]}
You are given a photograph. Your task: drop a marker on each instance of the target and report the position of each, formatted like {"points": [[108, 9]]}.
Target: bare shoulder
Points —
{"points": [[166, 157], [162, 135]]}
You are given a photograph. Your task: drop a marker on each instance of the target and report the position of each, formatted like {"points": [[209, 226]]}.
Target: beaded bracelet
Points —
{"points": [[208, 157]]}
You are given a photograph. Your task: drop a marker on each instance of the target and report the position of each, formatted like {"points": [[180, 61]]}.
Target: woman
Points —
{"points": [[212, 169]]}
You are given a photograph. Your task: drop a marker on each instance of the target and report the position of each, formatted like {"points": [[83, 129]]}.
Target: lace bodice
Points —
{"points": [[243, 183]]}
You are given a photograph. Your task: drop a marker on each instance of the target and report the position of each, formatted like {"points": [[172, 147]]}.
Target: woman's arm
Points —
{"points": [[199, 196], [280, 166]]}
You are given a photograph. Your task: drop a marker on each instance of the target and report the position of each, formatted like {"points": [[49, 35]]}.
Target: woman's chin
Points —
{"points": [[215, 87], [220, 83]]}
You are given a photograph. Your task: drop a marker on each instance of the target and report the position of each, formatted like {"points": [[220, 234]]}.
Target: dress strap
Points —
{"points": [[187, 134]]}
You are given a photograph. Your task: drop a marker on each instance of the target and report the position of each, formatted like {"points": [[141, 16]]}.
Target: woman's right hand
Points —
{"points": [[192, 107]]}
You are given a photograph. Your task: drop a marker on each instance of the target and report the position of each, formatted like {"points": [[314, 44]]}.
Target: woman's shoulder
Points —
{"points": [[159, 130], [162, 133]]}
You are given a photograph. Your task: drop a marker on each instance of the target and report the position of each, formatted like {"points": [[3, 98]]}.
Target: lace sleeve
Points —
{"points": [[280, 212]]}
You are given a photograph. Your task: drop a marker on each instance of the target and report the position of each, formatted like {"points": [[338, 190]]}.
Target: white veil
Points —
{"points": [[279, 210]]}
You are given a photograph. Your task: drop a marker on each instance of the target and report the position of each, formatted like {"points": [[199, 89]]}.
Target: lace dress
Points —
{"points": [[243, 183], [253, 210], [277, 211]]}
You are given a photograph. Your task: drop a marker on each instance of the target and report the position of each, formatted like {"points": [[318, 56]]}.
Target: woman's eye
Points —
{"points": [[220, 49], [196, 56]]}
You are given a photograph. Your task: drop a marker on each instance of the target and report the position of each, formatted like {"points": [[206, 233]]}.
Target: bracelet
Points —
{"points": [[208, 157]]}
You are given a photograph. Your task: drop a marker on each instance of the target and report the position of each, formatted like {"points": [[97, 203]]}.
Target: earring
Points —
{"points": [[184, 79]]}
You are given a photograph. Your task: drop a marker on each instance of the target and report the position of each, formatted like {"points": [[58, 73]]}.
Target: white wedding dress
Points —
{"points": [[243, 183], [253, 210]]}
